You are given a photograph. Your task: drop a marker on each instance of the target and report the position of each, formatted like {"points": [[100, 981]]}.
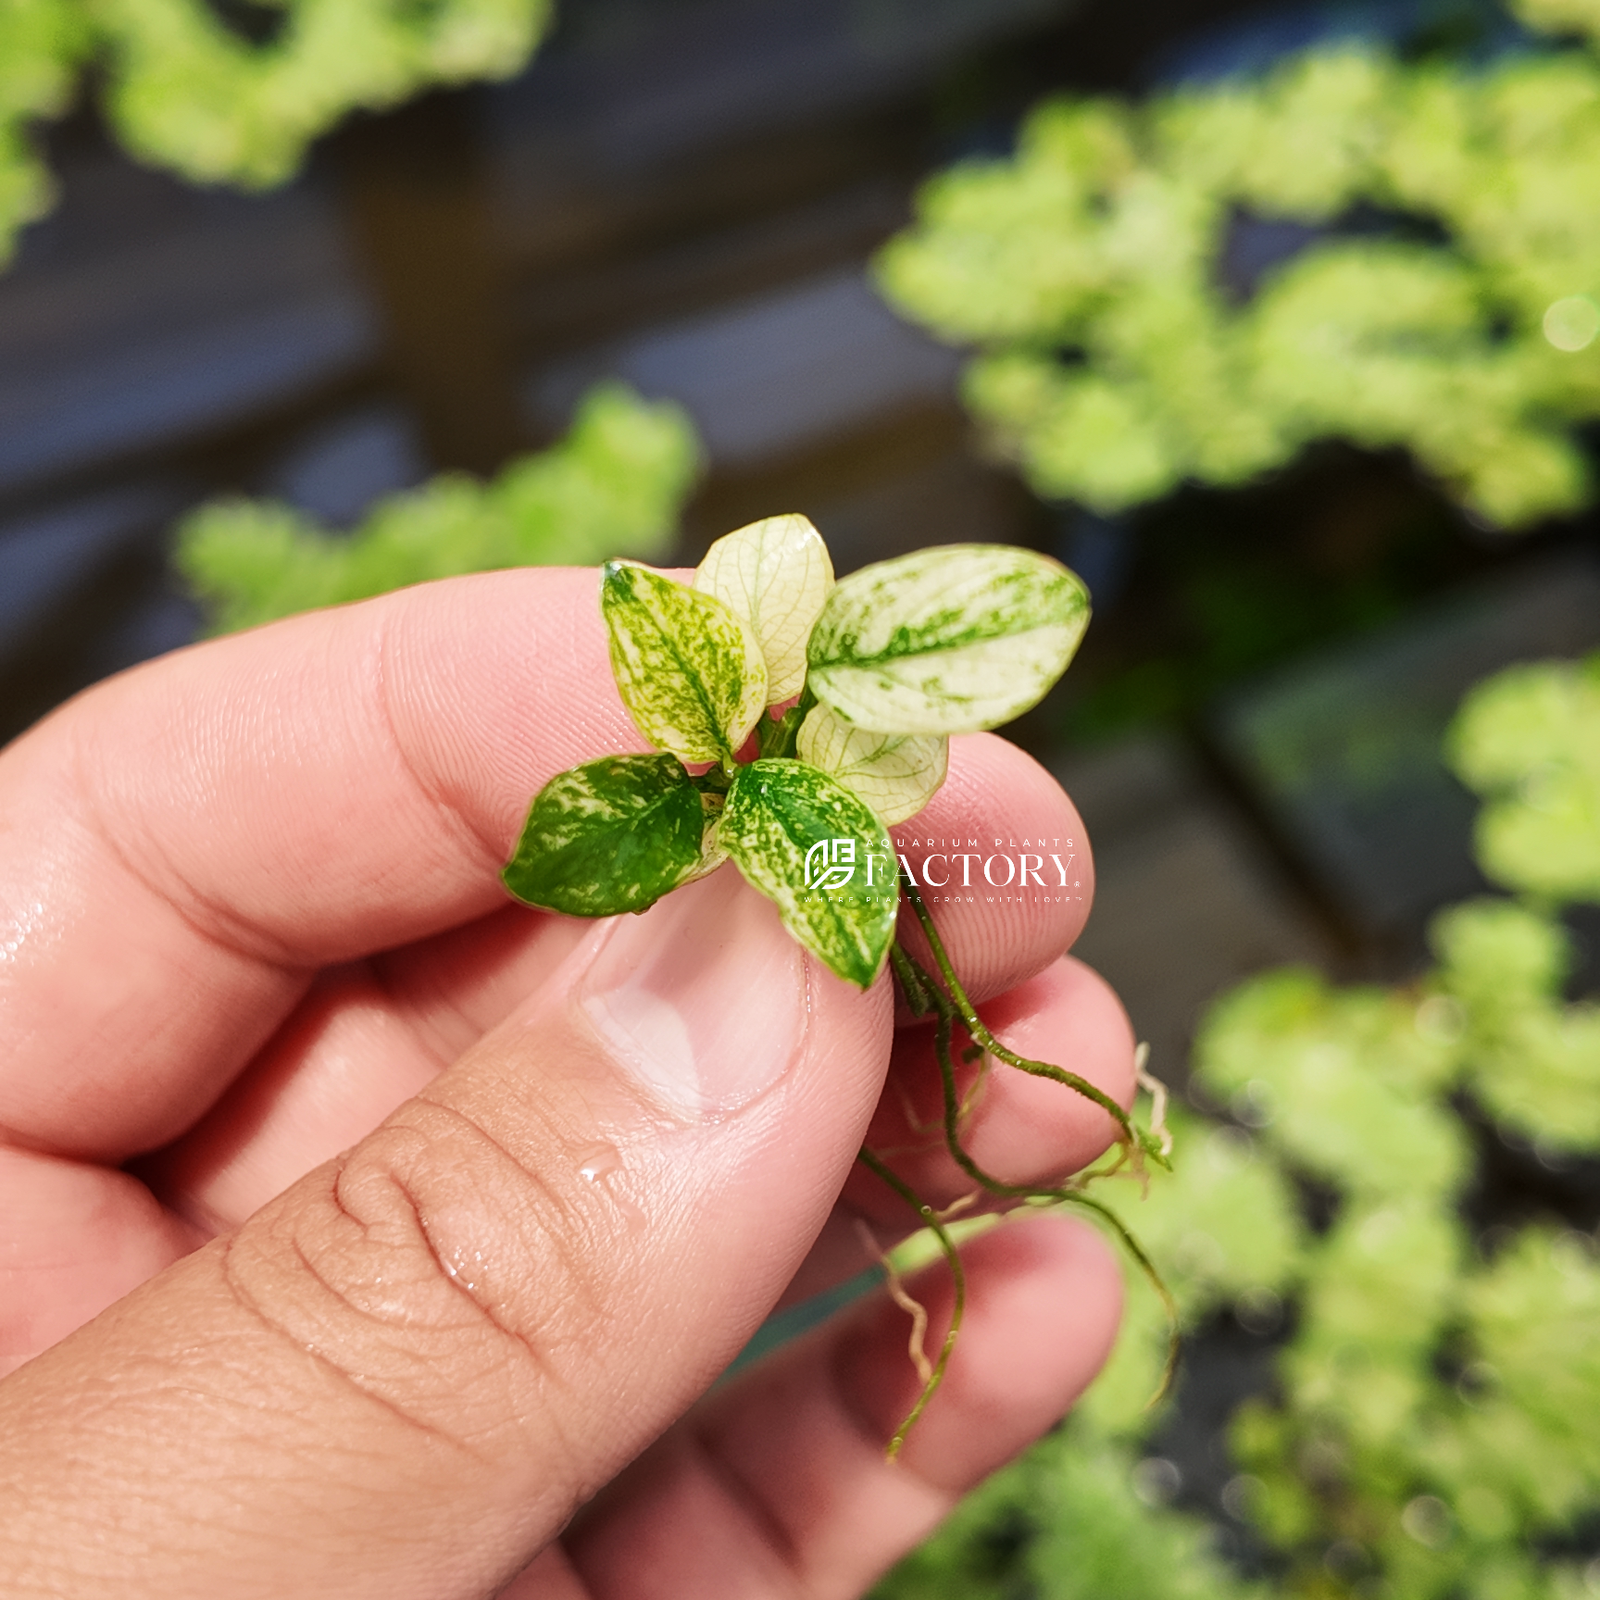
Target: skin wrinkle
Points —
{"points": [[266, 952], [490, 853], [394, 1407], [549, 1201], [477, 1130], [483, 1317], [579, 1291], [340, 1297], [253, 1308], [546, 1369], [10, 1139], [378, 1319], [555, 1439]]}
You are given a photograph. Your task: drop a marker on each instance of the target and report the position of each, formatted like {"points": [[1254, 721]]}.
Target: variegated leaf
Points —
{"points": [[822, 856], [775, 574], [610, 836], [897, 774], [948, 640], [688, 669]]}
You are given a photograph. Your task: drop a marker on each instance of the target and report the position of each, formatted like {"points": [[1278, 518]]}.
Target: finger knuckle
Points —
{"points": [[437, 1274]]}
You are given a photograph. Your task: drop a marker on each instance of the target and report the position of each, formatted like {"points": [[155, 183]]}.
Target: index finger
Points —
{"points": [[187, 844]]}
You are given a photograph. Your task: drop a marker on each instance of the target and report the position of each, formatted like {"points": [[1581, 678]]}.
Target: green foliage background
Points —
{"points": [[613, 486], [1432, 1427], [1112, 362], [1435, 1424], [184, 90]]}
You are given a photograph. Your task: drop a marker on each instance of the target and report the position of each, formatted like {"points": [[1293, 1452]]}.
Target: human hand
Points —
{"points": [[407, 1219]]}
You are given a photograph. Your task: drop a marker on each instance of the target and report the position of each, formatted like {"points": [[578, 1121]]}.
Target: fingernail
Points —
{"points": [[703, 998]]}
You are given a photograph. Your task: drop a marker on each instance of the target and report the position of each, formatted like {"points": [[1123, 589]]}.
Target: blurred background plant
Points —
{"points": [[1352, 246], [238, 94], [614, 486], [1394, 1390], [1286, 316], [1382, 242], [1428, 1424]]}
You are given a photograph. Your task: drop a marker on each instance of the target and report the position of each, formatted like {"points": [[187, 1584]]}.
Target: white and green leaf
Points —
{"points": [[610, 836], [689, 670], [948, 640], [822, 856], [775, 574], [897, 774]]}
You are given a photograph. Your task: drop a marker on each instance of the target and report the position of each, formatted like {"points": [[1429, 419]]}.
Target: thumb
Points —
{"points": [[401, 1376]]}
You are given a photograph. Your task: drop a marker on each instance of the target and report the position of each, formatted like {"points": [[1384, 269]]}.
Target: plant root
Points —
{"points": [[930, 1220], [917, 1345], [947, 1001]]}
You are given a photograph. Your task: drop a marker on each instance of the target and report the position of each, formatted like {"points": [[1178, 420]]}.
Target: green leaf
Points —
{"points": [[189, 92], [948, 640], [822, 856], [1345, 1082], [610, 836], [775, 574], [687, 668], [1528, 740], [897, 774], [1534, 1061]]}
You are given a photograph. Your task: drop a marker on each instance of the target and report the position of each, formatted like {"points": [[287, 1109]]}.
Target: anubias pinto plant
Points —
{"points": [[1429, 1432], [795, 720], [1434, 277]]}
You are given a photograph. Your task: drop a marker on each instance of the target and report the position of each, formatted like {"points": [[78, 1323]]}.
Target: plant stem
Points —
{"points": [[1066, 1194], [912, 981], [712, 781], [1132, 1135], [1126, 1238], [775, 736]]}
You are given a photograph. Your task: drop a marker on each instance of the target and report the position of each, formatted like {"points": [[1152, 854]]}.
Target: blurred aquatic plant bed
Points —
{"points": [[233, 94], [1430, 1432], [1439, 288], [614, 486]]}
